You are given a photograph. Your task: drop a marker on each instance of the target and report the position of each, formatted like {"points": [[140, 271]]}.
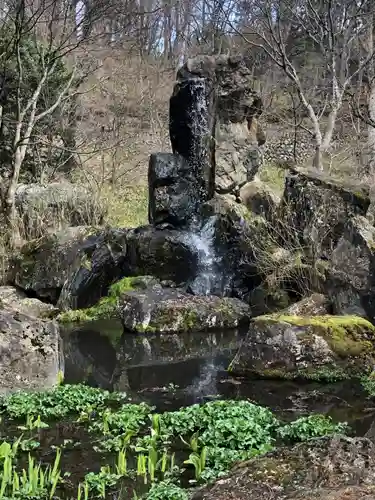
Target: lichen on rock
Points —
{"points": [[312, 348]]}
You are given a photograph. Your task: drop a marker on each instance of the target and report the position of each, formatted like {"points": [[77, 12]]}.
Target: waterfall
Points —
{"points": [[209, 279]]}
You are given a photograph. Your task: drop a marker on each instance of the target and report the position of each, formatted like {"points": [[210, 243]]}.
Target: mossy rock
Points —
{"points": [[107, 307], [320, 348], [173, 310], [300, 473], [44, 264]]}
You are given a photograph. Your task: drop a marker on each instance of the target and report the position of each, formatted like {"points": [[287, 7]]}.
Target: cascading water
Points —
{"points": [[209, 279]]}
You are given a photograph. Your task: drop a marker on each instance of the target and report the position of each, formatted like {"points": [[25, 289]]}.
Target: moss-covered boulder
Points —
{"points": [[108, 306], [72, 267], [319, 348], [331, 468], [173, 310]]}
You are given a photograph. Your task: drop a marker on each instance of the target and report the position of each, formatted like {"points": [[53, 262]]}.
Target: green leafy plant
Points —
{"points": [[166, 490], [310, 427], [59, 402], [98, 483], [198, 460]]}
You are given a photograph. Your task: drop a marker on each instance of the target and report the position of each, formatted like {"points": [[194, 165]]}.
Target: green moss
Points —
{"points": [[106, 308], [323, 374], [346, 335], [185, 320]]}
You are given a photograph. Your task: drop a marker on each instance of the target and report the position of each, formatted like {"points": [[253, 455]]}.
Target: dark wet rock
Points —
{"points": [[315, 210], [259, 199], [312, 348], [43, 265], [334, 468], [55, 206], [172, 310], [316, 304], [30, 352], [249, 249], [192, 113], [17, 300], [351, 282], [214, 98], [73, 267], [174, 193], [163, 254], [345, 299]]}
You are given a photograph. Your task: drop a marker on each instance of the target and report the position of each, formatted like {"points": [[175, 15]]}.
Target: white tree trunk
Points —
{"points": [[371, 131]]}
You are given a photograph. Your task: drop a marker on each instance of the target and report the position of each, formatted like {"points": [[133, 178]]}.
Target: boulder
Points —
{"points": [[250, 251], [30, 352], [162, 253], [55, 206], [351, 273], [173, 310], [17, 300], [100, 261], [43, 265], [312, 348], [259, 199], [316, 304], [314, 210], [300, 473], [74, 268], [173, 190]]}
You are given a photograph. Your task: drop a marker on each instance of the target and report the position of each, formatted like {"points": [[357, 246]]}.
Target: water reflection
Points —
{"points": [[170, 373]]}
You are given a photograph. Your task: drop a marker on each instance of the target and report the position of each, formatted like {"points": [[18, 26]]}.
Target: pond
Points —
{"points": [[169, 371], [111, 447]]}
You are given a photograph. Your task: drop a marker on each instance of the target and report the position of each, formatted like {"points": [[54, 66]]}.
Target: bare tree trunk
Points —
{"points": [[371, 130], [371, 101]]}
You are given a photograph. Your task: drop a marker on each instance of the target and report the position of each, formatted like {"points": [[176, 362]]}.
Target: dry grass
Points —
{"points": [[126, 206], [274, 176]]}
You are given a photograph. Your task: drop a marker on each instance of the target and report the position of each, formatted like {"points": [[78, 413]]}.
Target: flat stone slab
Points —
{"points": [[172, 310]]}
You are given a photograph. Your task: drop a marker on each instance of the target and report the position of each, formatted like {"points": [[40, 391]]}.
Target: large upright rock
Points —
{"points": [[351, 274], [213, 128], [174, 190], [214, 98], [192, 115], [315, 209]]}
